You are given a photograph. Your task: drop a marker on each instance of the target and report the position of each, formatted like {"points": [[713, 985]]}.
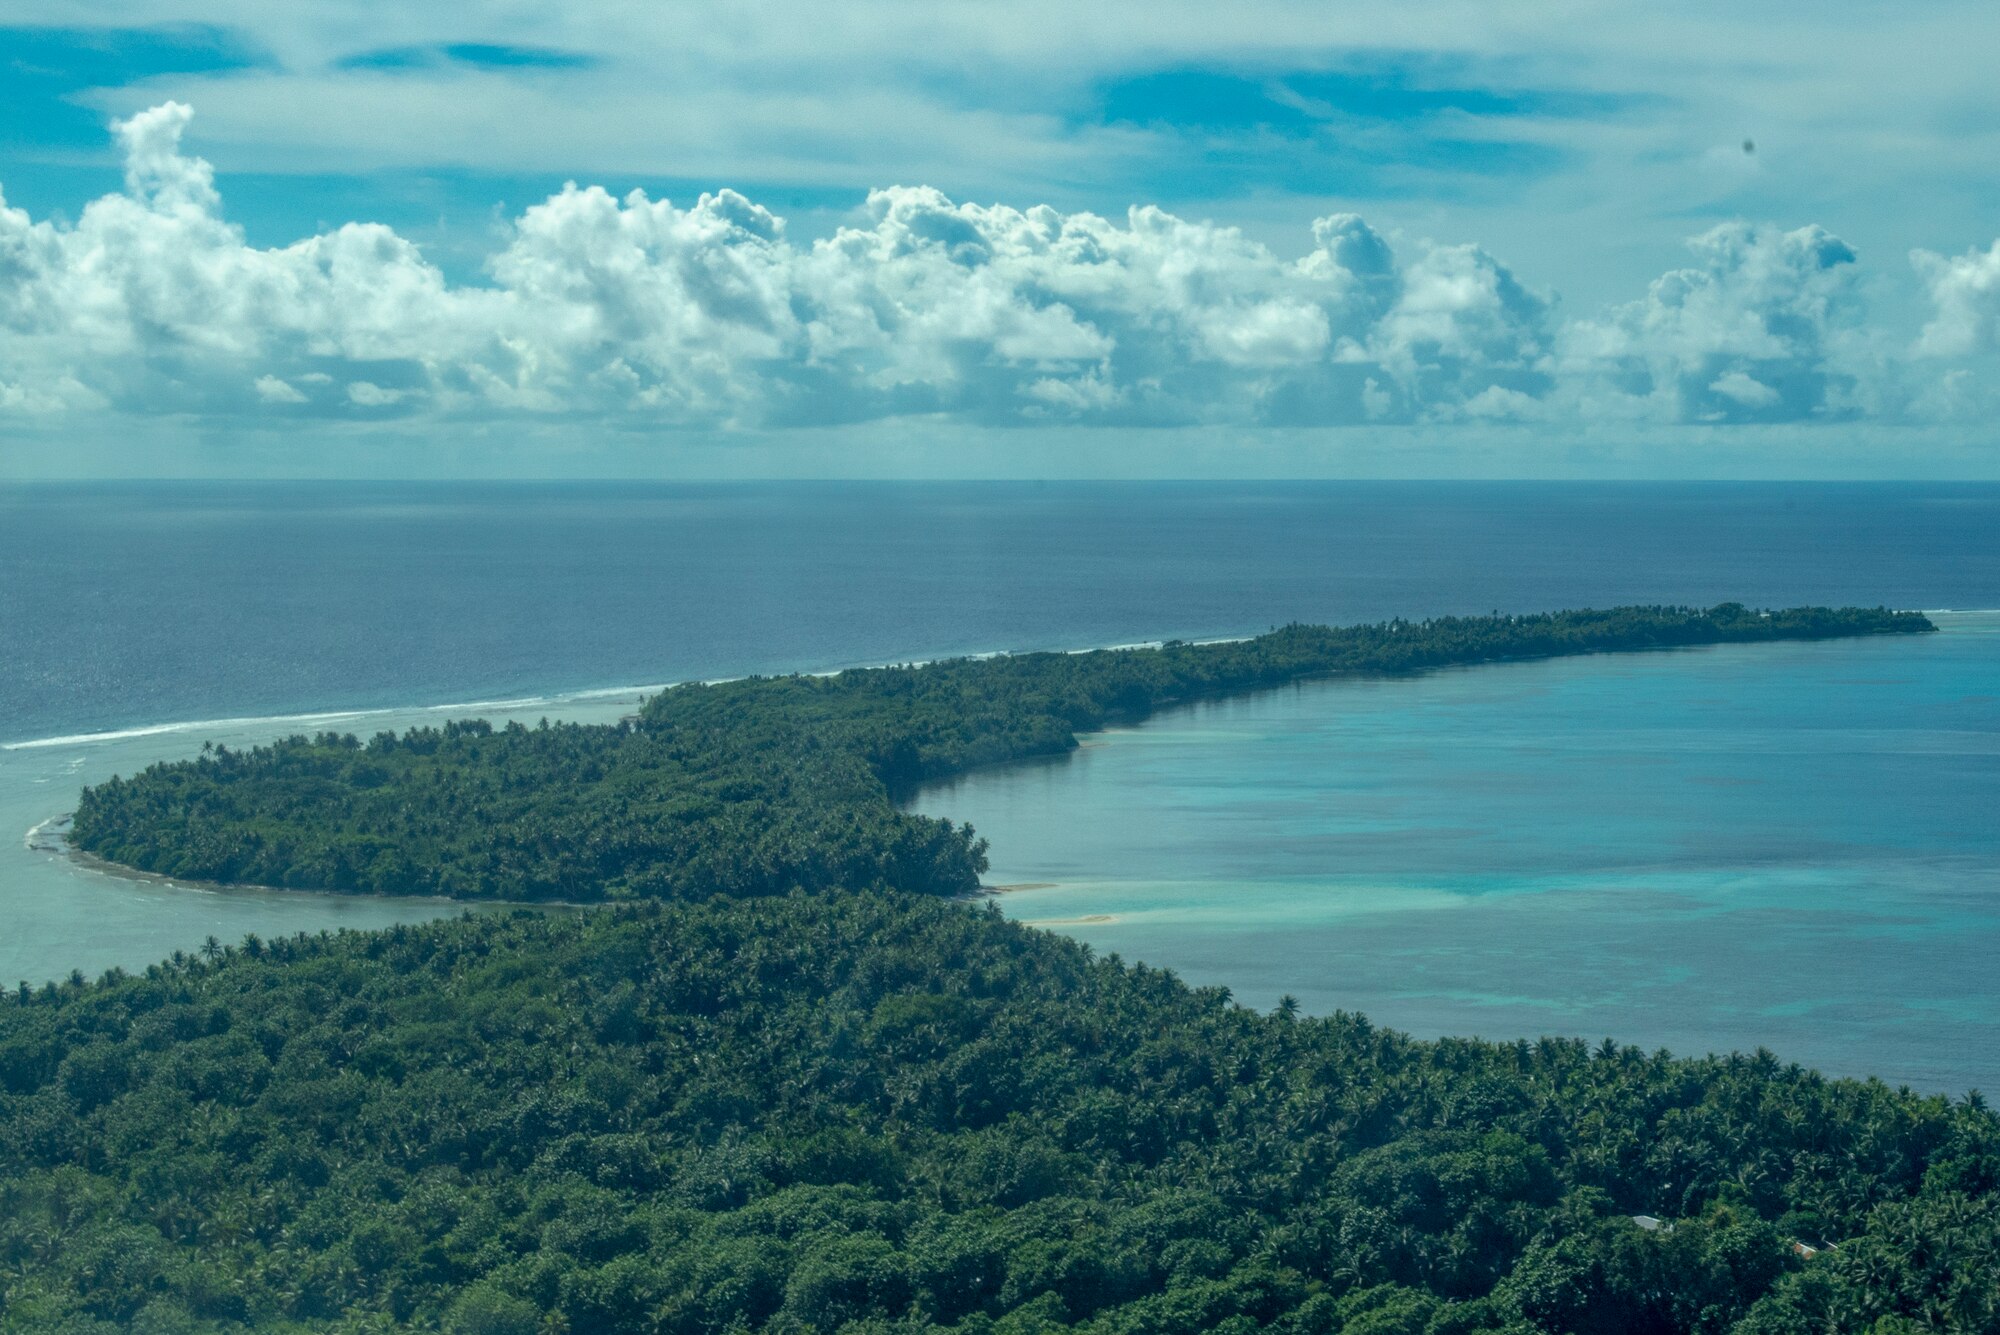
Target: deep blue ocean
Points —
{"points": [[130, 604], [1788, 845]]}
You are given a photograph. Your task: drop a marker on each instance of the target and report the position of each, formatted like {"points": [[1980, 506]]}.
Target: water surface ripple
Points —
{"points": [[1790, 846]]}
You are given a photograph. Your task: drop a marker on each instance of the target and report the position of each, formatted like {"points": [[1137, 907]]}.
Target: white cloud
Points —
{"points": [[367, 394], [1965, 292], [1499, 404], [1754, 332], [644, 312], [707, 314], [1882, 121], [1743, 389]]}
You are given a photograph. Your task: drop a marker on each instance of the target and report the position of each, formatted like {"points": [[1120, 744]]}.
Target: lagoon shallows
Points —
{"points": [[128, 606], [1789, 846]]}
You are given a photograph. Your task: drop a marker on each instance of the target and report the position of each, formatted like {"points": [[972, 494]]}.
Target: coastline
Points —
{"points": [[595, 695], [50, 838], [1497, 799], [605, 697], [598, 695], [1010, 888]]}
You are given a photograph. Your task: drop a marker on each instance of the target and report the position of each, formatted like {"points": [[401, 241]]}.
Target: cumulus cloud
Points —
{"points": [[1752, 332], [1965, 295], [367, 394], [270, 389], [644, 311], [707, 314], [152, 301], [1746, 390]]}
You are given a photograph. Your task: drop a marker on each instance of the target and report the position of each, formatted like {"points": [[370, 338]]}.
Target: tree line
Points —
{"points": [[883, 1114], [765, 785]]}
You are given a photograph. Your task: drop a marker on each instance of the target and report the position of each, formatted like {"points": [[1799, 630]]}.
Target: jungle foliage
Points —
{"points": [[784, 1088], [883, 1114], [765, 785]]}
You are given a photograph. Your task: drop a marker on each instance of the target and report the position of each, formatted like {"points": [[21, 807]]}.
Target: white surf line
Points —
{"points": [[607, 692], [332, 716], [162, 729], [543, 701], [28, 839]]}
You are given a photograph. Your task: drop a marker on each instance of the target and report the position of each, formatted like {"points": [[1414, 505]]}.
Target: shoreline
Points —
{"points": [[50, 838], [599, 694], [1067, 915], [550, 700], [104, 866]]}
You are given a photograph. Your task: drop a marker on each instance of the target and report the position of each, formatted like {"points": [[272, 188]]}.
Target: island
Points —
{"points": [[784, 1084], [769, 784]]}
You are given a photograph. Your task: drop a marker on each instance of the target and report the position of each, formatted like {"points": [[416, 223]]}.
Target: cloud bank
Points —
{"points": [[640, 312]]}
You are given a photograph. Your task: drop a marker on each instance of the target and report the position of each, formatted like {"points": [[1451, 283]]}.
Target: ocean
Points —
{"points": [[1789, 846]]}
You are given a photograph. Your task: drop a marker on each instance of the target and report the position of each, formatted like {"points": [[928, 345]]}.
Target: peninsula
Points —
{"points": [[766, 785], [811, 1096]]}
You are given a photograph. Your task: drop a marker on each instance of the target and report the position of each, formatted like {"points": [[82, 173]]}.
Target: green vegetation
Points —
{"points": [[884, 1114], [766, 785], [811, 1097]]}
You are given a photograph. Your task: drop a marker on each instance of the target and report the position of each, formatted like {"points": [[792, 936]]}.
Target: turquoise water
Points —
{"points": [[1788, 846], [1791, 846], [57, 914]]}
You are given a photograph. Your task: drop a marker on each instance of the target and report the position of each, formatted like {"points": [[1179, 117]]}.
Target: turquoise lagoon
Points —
{"points": [[1792, 846], [59, 913], [1787, 845]]}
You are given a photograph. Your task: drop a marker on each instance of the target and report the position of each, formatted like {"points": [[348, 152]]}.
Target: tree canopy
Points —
{"points": [[883, 1114], [782, 1087], [768, 784]]}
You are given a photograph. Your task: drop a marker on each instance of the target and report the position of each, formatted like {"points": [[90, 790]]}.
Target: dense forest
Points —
{"points": [[769, 784], [883, 1114], [782, 1087]]}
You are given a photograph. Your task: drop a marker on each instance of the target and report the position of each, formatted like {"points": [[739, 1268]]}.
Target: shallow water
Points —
{"points": [[1658, 848], [58, 914], [1790, 846]]}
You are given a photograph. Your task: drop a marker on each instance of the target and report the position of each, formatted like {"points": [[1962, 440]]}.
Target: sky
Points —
{"points": [[1555, 238]]}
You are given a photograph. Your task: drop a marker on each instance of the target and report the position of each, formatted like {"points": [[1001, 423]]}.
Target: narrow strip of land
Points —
{"points": [[766, 785]]}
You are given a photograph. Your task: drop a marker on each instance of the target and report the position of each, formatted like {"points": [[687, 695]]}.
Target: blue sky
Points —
{"points": [[1541, 239]]}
